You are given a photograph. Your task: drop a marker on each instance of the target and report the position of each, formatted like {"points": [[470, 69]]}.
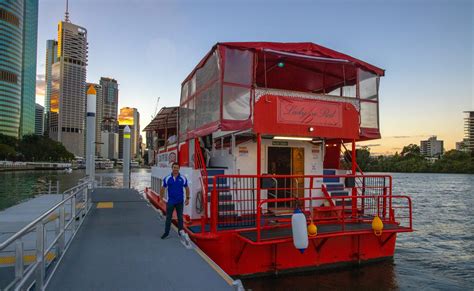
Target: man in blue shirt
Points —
{"points": [[175, 184]]}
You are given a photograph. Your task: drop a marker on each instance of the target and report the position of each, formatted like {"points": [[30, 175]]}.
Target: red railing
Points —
{"points": [[257, 202]]}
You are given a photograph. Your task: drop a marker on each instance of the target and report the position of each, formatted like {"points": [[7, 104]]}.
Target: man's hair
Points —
{"points": [[174, 164]]}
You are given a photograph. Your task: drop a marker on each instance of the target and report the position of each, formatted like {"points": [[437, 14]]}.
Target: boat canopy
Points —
{"points": [[220, 93]]}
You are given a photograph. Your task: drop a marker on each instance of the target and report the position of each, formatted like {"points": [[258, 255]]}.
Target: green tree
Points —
{"points": [[7, 152], [411, 150]]}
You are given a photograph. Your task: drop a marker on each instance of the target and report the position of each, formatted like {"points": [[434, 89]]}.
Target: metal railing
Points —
{"points": [[399, 220], [48, 253], [235, 198]]}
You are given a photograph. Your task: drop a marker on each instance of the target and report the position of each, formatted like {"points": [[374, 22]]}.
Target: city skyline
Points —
{"points": [[403, 39]]}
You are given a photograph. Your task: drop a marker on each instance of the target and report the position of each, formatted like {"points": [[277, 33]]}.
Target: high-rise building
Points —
{"points": [[109, 104], [39, 119], [131, 117], [432, 147], [28, 83], [461, 146], [18, 31], [68, 77], [469, 131], [109, 146], [51, 58]]}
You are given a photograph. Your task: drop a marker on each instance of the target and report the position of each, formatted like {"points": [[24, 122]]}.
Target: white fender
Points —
{"points": [[300, 230]]}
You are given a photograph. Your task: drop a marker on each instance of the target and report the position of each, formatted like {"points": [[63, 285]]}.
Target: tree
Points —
{"points": [[7, 152], [411, 150]]}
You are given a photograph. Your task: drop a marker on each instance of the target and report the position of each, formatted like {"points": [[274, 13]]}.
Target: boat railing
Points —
{"points": [[64, 218], [235, 198], [399, 220]]}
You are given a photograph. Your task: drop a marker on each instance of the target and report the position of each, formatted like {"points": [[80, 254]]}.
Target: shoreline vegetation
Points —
{"points": [[410, 160], [33, 148]]}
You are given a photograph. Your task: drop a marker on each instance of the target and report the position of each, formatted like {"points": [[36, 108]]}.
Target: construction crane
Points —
{"points": [[156, 108]]}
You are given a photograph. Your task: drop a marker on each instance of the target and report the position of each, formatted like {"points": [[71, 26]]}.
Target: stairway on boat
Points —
{"points": [[226, 206], [336, 187]]}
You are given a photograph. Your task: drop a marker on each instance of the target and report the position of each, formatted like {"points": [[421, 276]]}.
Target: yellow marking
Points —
{"points": [[105, 205], [127, 135], [213, 265], [27, 259]]}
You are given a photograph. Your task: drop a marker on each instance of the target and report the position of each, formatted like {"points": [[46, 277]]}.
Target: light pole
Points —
{"points": [[90, 137], [126, 157]]}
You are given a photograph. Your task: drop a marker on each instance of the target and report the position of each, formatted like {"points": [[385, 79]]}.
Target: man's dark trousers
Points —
{"points": [[169, 214]]}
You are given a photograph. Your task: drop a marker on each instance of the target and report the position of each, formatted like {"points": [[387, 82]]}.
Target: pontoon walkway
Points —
{"points": [[119, 248]]}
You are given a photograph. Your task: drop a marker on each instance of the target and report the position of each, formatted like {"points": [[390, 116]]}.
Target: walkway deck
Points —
{"points": [[119, 248]]}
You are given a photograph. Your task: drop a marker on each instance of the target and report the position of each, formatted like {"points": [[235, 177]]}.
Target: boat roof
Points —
{"points": [[298, 48], [167, 117]]}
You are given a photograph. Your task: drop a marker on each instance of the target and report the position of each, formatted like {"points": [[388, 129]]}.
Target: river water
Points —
{"points": [[438, 255]]}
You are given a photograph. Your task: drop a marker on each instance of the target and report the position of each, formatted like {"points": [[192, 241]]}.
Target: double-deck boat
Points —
{"points": [[261, 133]]}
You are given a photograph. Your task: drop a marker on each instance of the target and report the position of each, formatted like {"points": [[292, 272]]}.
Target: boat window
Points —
{"points": [[207, 105], [236, 103], [369, 114], [238, 66], [368, 85], [207, 73], [191, 114]]}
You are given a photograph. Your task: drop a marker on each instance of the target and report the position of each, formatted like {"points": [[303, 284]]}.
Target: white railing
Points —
{"points": [[47, 257]]}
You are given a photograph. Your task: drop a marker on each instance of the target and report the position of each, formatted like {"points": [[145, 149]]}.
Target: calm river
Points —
{"points": [[438, 255]]}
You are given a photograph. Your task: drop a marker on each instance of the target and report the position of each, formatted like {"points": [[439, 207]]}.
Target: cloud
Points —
{"points": [[406, 136], [369, 145], [40, 85]]}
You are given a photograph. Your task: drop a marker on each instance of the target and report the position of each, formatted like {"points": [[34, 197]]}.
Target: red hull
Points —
{"points": [[239, 257]]}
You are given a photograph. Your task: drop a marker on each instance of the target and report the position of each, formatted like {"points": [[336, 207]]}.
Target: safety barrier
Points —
{"points": [[78, 203], [236, 200]]}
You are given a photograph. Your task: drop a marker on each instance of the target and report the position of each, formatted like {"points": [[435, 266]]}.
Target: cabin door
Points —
{"points": [[286, 161]]}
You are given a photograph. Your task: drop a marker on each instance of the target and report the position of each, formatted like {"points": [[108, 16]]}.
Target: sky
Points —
{"points": [[150, 46]]}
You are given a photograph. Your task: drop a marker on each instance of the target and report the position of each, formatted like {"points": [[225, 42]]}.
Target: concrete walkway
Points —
{"points": [[119, 248]]}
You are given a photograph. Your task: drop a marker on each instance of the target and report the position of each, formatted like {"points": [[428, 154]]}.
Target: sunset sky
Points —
{"points": [[149, 46]]}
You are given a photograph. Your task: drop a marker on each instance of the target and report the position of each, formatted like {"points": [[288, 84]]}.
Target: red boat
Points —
{"points": [[261, 133]]}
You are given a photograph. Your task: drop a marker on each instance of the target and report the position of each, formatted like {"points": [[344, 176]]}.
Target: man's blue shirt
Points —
{"points": [[175, 187]]}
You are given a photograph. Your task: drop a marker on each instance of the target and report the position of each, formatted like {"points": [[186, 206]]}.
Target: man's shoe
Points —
{"points": [[165, 235]]}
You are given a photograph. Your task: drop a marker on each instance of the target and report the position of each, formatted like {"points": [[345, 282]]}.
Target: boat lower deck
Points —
{"points": [[282, 233]]}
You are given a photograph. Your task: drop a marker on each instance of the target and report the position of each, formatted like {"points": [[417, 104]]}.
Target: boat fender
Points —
{"points": [[312, 229], [299, 229], [377, 226]]}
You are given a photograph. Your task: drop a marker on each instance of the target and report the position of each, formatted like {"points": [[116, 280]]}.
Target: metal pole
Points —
{"points": [[90, 137], [40, 271], [126, 157], [19, 264], [354, 190]]}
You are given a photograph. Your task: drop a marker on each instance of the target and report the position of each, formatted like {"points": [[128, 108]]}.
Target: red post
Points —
{"points": [[214, 207], [354, 189], [259, 172]]}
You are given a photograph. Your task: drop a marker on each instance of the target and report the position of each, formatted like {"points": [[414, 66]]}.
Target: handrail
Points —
{"points": [[29, 226], [244, 212], [343, 198], [39, 268], [357, 165]]}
